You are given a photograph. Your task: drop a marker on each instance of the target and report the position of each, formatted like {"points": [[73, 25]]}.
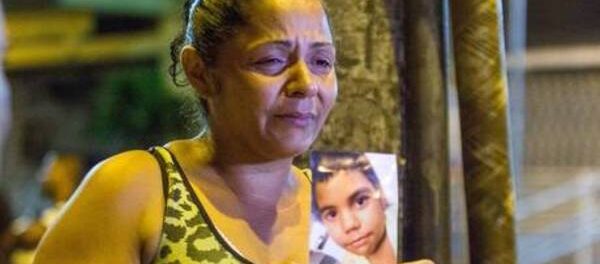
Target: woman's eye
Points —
{"points": [[270, 61], [322, 65], [270, 65]]}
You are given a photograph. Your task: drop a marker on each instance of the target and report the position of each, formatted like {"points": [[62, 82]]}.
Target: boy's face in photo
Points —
{"points": [[352, 211]]}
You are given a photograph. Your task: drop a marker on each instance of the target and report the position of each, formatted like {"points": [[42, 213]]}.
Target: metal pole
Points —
{"points": [[427, 228], [482, 92]]}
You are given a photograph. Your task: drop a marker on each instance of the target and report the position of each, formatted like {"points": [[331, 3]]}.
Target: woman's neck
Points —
{"points": [[254, 179], [384, 253], [263, 189], [257, 184]]}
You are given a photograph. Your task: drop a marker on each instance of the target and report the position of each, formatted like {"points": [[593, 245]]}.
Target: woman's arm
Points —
{"points": [[114, 216]]}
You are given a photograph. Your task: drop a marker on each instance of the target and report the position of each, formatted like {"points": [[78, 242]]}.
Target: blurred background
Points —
{"points": [[87, 79], [558, 189]]}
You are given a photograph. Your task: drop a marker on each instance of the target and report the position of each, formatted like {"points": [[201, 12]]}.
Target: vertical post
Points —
{"points": [[427, 229], [515, 49], [482, 94]]}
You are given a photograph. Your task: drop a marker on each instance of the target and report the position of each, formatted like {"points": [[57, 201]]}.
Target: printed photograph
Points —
{"points": [[354, 208]]}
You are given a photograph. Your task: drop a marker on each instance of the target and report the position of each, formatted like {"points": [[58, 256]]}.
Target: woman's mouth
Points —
{"points": [[297, 119]]}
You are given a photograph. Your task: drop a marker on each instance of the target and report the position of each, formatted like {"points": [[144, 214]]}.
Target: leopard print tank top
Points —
{"points": [[188, 235]]}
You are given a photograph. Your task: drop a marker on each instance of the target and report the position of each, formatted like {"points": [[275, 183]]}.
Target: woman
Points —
{"points": [[348, 200], [264, 71]]}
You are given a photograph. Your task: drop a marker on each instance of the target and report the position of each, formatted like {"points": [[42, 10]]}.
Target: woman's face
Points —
{"points": [[275, 79], [352, 210]]}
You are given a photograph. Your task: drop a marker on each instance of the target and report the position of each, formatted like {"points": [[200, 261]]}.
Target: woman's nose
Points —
{"points": [[349, 222], [301, 83]]}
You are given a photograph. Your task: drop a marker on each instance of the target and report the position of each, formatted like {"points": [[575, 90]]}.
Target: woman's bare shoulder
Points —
{"points": [[124, 170], [192, 152], [124, 176], [111, 215]]}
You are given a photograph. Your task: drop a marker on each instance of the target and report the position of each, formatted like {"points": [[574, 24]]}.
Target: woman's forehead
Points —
{"points": [[277, 20], [271, 5]]}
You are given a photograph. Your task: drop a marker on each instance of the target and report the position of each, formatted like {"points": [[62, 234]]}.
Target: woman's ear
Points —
{"points": [[196, 71]]}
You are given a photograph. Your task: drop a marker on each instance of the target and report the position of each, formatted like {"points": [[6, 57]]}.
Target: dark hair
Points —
{"points": [[207, 23], [324, 165]]}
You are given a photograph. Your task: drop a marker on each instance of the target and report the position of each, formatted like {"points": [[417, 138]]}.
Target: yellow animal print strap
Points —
{"points": [[187, 235]]}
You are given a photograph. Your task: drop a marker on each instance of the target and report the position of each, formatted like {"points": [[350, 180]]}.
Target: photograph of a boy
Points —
{"points": [[349, 201]]}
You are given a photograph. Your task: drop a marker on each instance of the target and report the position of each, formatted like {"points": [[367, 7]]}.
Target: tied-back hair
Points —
{"points": [[206, 25], [324, 165]]}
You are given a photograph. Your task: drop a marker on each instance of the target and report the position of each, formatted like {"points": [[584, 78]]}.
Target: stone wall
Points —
{"points": [[367, 114]]}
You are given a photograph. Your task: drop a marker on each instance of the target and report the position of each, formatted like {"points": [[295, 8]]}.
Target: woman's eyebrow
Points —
{"points": [[289, 44], [317, 45], [275, 43]]}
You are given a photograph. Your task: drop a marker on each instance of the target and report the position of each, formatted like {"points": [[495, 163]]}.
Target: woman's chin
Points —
{"points": [[294, 144], [293, 150]]}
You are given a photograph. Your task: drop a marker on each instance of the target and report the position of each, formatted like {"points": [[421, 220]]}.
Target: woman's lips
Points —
{"points": [[297, 119]]}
